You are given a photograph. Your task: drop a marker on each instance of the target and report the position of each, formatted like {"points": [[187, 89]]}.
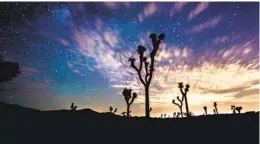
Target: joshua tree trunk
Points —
{"points": [[128, 111], [181, 113], [187, 106], [147, 104], [216, 110]]}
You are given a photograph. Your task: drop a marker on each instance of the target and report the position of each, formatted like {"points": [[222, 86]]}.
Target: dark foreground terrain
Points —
{"points": [[23, 125]]}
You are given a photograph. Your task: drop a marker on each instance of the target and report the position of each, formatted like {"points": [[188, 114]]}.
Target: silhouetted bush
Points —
{"points": [[111, 110], [215, 110], [205, 109], [72, 107], [8, 70]]}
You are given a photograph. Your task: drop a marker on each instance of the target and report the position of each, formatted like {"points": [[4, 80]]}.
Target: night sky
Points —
{"points": [[78, 52]]}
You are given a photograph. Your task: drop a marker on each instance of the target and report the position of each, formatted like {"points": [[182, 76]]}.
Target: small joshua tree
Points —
{"points": [[149, 67], [205, 109], [127, 93], [233, 107], [184, 94], [111, 110], [176, 115], [123, 114], [238, 109], [215, 108], [72, 107], [180, 104]]}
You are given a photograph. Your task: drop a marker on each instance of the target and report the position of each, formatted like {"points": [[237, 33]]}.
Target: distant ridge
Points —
{"points": [[4, 107], [87, 112]]}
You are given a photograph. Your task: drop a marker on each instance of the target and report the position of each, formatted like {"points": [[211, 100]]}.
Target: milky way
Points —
{"points": [[78, 52]]}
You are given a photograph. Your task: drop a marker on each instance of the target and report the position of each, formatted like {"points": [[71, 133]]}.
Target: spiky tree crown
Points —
{"points": [[141, 49], [187, 87], [180, 85]]}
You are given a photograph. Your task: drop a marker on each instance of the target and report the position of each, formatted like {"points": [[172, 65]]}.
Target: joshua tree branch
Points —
{"points": [[183, 93], [151, 71], [139, 73], [177, 104], [146, 71], [180, 100], [132, 100], [141, 63]]}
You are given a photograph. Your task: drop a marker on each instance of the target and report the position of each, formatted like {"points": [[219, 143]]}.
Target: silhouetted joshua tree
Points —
{"points": [[176, 115], [215, 108], [180, 104], [238, 109], [233, 107], [72, 107], [149, 68], [8, 70], [127, 93], [184, 94], [111, 110], [124, 114], [205, 109]]}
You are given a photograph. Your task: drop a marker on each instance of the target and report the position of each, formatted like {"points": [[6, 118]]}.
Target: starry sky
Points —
{"points": [[78, 52]]}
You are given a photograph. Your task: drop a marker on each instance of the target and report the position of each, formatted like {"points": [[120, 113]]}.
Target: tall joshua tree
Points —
{"points": [[184, 94], [127, 93], [180, 104], [149, 67]]}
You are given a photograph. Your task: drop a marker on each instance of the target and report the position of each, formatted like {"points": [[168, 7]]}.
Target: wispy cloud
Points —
{"points": [[112, 5], [148, 11], [116, 5], [210, 23], [178, 6], [209, 71], [63, 42], [196, 11], [28, 70]]}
